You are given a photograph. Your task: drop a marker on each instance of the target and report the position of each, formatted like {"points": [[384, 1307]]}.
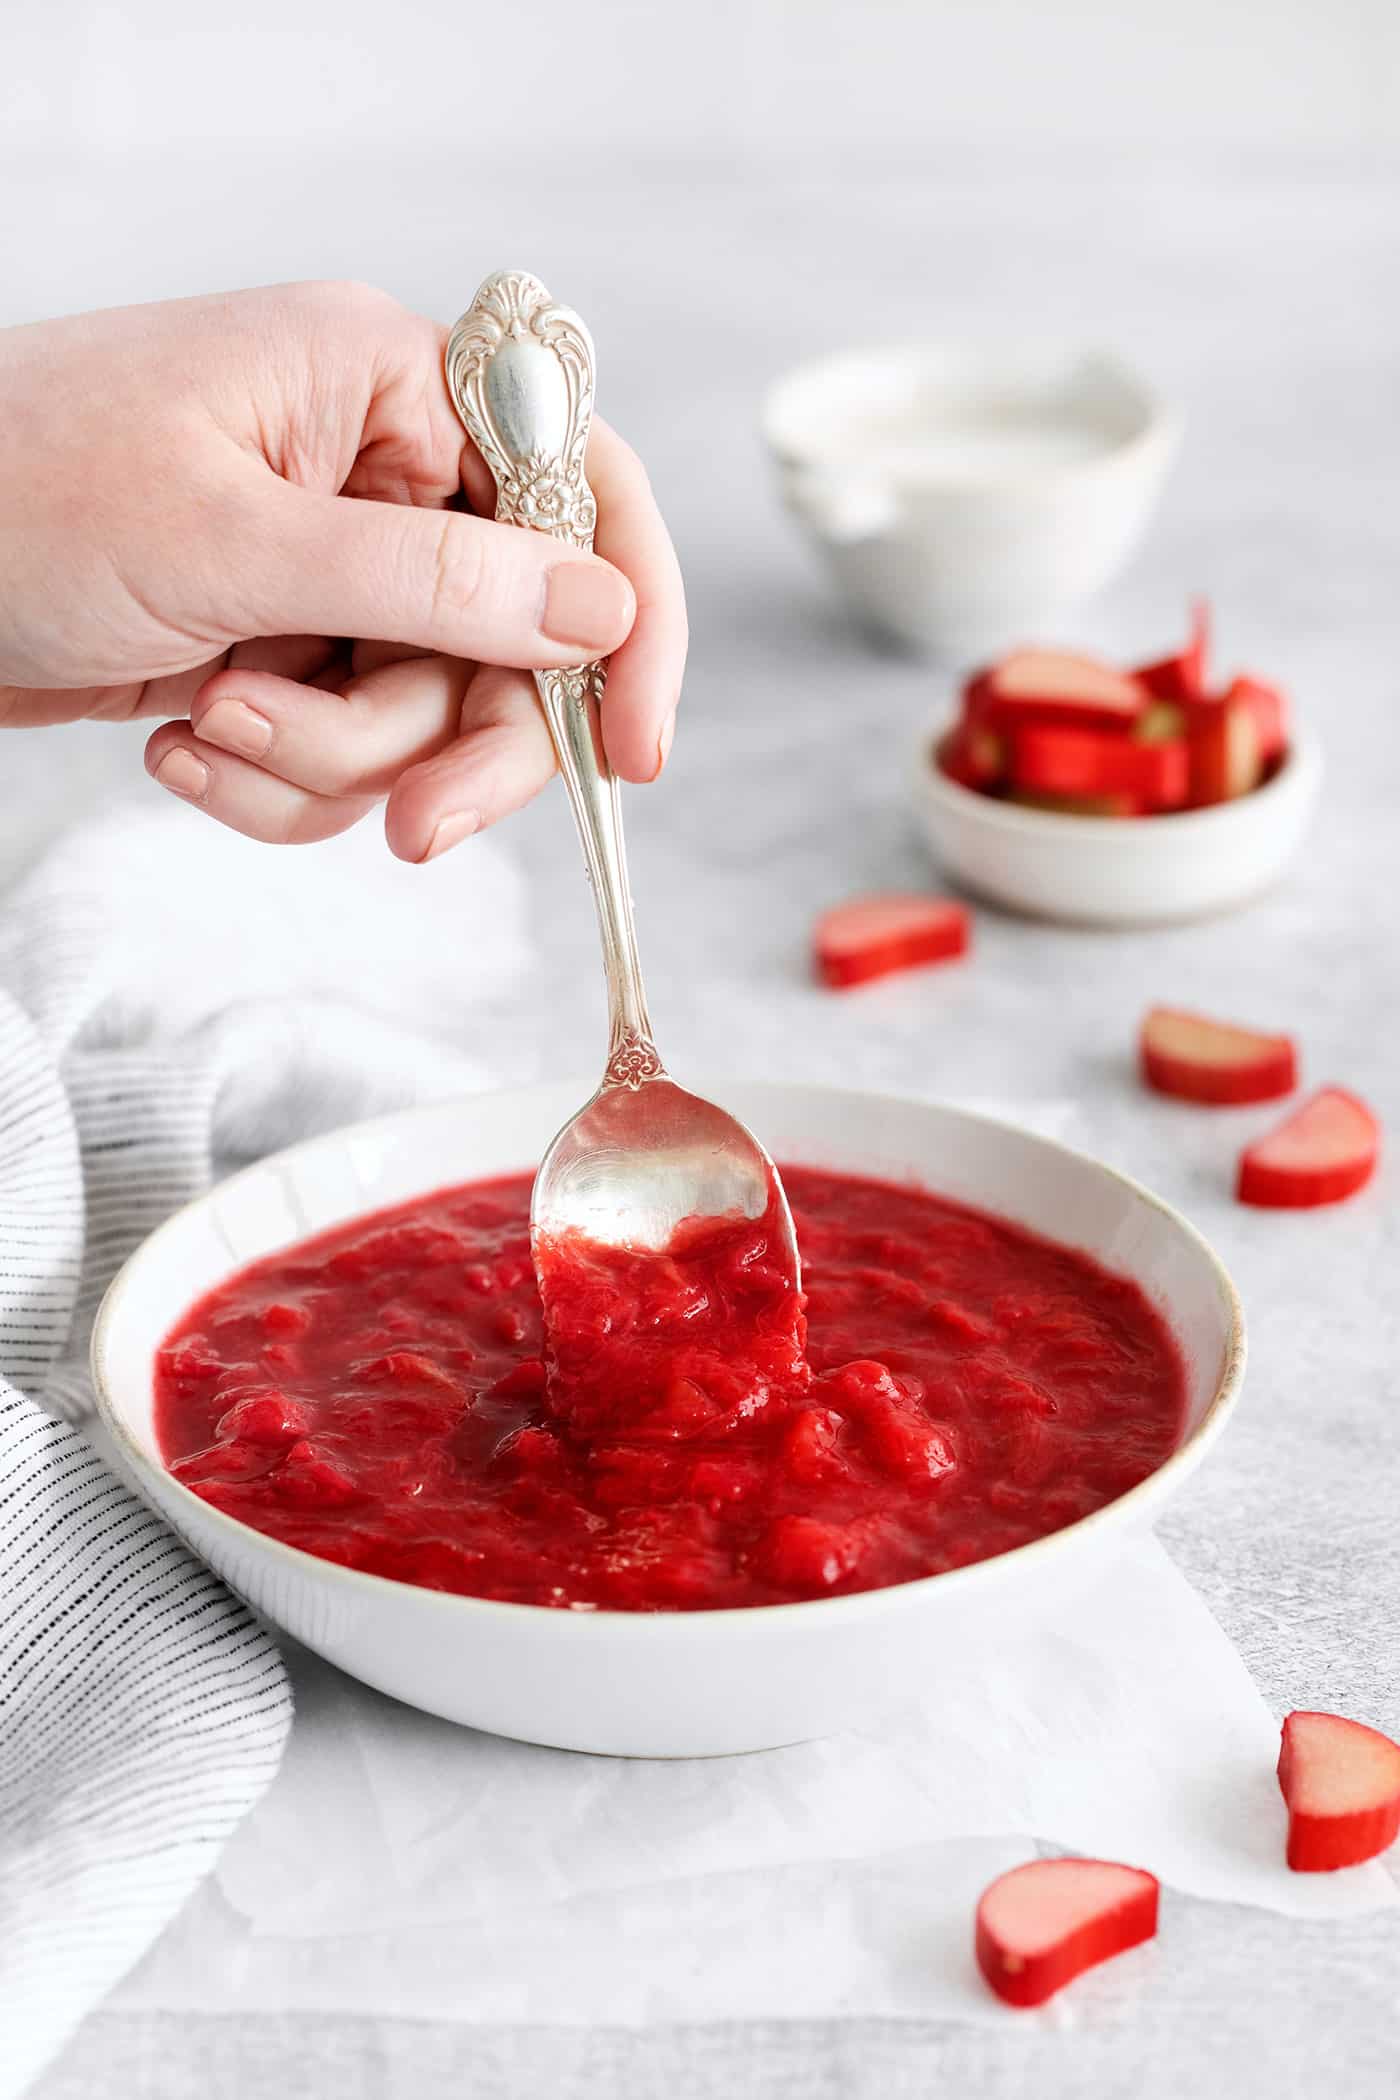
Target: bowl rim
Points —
{"points": [[727, 1620], [1159, 425], [1299, 773]]}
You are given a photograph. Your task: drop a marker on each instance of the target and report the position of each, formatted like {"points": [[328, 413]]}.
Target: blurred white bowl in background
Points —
{"points": [[964, 499], [1118, 871]]}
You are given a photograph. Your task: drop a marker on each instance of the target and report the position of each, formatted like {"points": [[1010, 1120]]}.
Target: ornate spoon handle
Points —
{"points": [[520, 371]]}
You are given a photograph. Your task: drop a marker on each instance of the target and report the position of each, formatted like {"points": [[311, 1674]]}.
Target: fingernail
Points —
{"points": [[184, 774], [451, 831], [665, 741], [586, 604], [234, 726]]}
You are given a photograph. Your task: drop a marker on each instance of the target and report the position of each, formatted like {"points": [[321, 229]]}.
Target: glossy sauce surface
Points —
{"points": [[380, 1396]]}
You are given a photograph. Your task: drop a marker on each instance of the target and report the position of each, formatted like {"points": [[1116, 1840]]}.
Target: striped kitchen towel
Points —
{"points": [[172, 1001]]}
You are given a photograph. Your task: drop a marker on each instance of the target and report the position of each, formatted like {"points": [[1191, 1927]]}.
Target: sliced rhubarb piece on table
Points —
{"points": [[1059, 759], [1213, 1061], [1042, 1924], [873, 936], [1269, 707], [1325, 1151], [1341, 1781], [1227, 758], [1051, 685], [1182, 677]]}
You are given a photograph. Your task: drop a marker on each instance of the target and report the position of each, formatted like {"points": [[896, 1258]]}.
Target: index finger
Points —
{"points": [[644, 676]]}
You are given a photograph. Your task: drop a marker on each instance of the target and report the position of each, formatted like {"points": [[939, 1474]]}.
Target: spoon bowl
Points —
{"points": [[643, 1155], [634, 1164]]}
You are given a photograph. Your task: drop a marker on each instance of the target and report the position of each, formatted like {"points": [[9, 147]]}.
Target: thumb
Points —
{"points": [[435, 579]]}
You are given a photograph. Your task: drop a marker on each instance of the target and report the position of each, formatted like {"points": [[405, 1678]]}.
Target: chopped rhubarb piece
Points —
{"points": [[1080, 805], [1182, 677], [1226, 754], [974, 757], [1325, 1151], [1055, 759], [1051, 685], [1341, 1781], [1043, 1924], [1213, 1061], [1162, 722], [1269, 708], [872, 936], [977, 699]]}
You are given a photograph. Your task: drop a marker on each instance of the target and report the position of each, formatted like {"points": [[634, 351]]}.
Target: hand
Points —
{"points": [[179, 539]]}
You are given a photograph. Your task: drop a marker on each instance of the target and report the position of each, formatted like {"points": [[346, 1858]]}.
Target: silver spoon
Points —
{"points": [[643, 1154]]}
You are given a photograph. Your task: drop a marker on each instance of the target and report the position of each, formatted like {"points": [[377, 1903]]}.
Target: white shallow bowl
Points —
{"points": [[1118, 871], [642, 1684], [965, 499]]}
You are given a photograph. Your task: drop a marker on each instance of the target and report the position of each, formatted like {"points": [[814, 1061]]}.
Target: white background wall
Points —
{"points": [[759, 80]]}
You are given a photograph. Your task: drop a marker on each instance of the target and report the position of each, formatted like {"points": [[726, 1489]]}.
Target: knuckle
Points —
{"points": [[460, 575], [345, 295]]}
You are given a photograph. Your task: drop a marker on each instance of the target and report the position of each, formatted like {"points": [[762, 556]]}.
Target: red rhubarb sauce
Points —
{"points": [[385, 1396]]}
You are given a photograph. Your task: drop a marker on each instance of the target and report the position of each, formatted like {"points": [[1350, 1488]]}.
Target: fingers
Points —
{"points": [[455, 749], [355, 741], [502, 759], [300, 656], [644, 678], [37, 707], [440, 580], [243, 796], [289, 655]]}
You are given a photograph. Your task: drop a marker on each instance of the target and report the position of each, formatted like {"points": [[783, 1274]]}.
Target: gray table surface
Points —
{"points": [[1269, 305]]}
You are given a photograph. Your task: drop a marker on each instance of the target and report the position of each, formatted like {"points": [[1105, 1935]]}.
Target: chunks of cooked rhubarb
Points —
{"points": [[1057, 759], [1227, 752], [808, 1554], [1213, 1061], [1043, 1924], [1325, 1151], [874, 936], [1269, 708], [1341, 1781], [1052, 685], [1182, 677]]}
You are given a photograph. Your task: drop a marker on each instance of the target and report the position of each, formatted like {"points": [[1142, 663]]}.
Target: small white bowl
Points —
{"points": [[1118, 871], [964, 499], [647, 1684]]}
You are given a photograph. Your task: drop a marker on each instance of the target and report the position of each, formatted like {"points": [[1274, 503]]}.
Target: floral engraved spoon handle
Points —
{"points": [[520, 371]]}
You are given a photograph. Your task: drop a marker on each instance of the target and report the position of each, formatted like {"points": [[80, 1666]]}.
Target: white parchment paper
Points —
{"points": [[401, 1864]]}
